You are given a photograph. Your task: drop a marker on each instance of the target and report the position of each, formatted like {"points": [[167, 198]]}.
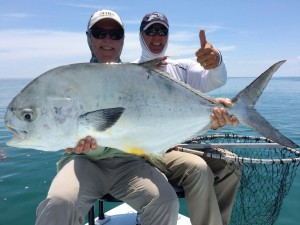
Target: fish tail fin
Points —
{"points": [[258, 123], [253, 91], [244, 103]]}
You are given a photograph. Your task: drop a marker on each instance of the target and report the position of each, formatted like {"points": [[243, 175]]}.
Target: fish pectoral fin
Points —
{"points": [[101, 119]]}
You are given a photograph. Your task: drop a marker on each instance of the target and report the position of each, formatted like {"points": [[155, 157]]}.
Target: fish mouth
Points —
{"points": [[18, 135]]}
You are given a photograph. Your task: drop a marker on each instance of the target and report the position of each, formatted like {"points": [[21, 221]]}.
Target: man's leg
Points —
{"points": [[192, 173], [72, 193], [227, 177], [147, 190]]}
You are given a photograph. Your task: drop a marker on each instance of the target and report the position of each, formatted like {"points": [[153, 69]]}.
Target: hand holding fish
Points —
{"points": [[161, 62], [220, 116], [83, 146], [207, 56]]}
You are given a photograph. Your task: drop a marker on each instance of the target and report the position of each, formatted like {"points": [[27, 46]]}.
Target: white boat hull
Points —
{"points": [[125, 215]]}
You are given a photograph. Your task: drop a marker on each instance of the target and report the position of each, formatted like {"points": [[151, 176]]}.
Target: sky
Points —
{"points": [[38, 35]]}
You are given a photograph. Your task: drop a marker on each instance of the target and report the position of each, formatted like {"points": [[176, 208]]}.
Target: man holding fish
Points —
{"points": [[84, 175], [185, 168], [213, 204]]}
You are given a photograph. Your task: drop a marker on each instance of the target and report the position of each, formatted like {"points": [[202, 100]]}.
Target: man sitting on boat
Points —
{"points": [[85, 176]]}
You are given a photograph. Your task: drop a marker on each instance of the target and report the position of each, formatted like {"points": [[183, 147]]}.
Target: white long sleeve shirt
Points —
{"points": [[193, 74], [187, 70]]}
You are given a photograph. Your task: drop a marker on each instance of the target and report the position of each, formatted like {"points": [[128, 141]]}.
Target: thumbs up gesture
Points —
{"points": [[207, 56]]}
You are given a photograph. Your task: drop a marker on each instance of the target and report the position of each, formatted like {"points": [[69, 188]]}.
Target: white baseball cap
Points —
{"points": [[104, 14]]}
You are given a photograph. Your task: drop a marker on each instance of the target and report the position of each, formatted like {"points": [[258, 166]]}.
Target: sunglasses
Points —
{"points": [[160, 31], [114, 34]]}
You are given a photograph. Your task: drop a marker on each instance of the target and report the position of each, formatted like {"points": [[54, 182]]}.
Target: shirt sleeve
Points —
{"points": [[203, 80]]}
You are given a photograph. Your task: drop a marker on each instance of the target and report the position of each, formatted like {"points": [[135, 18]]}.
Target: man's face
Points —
{"points": [[156, 42], [106, 48]]}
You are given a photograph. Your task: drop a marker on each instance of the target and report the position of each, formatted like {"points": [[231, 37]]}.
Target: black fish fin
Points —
{"points": [[101, 119]]}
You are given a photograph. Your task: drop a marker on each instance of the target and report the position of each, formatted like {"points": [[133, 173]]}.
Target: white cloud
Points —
{"points": [[28, 53], [227, 48], [31, 44], [35, 51], [183, 36], [132, 48], [91, 6], [9, 16]]}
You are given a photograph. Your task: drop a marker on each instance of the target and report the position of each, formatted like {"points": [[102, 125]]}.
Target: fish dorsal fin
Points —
{"points": [[101, 119], [253, 91], [152, 64]]}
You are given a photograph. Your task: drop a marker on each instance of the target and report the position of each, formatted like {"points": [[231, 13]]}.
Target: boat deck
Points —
{"points": [[125, 215]]}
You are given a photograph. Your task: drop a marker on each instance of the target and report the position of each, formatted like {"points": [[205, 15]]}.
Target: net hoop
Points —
{"points": [[242, 146]]}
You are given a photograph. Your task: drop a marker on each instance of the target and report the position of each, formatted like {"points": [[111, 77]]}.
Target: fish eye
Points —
{"points": [[28, 115]]}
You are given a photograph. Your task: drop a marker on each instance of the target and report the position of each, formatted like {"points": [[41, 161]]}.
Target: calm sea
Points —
{"points": [[25, 175]]}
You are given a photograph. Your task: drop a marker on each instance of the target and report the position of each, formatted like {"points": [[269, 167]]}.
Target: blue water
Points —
{"points": [[25, 175]]}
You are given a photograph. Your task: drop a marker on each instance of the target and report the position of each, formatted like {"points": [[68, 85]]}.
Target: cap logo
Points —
{"points": [[105, 13], [154, 16]]}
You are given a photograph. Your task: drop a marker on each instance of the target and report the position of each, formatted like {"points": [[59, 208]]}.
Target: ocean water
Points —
{"points": [[25, 175]]}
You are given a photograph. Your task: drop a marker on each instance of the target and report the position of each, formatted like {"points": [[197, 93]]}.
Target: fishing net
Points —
{"points": [[268, 173]]}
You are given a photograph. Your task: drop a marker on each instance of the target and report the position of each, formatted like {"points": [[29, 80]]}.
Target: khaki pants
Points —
{"points": [[131, 179], [210, 186]]}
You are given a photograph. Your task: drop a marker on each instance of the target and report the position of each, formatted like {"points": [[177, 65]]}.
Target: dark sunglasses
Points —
{"points": [[114, 34], [151, 31]]}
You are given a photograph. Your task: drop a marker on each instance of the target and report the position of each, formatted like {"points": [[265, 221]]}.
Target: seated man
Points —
{"points": [[191, 172]]}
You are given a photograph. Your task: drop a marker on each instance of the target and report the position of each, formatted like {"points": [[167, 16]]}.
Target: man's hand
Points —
{"points": [[207, 56], [161, 62], [220, 116], [83, 146]]}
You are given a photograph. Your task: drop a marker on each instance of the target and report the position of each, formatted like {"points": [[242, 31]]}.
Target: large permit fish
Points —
{"points": [[131, 107]]}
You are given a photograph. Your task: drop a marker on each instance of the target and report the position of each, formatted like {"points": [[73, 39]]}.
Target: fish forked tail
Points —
{"points": [[244, 110]]}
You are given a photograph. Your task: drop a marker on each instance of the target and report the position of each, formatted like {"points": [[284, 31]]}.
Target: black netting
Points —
{"points": [[263, 185]]}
